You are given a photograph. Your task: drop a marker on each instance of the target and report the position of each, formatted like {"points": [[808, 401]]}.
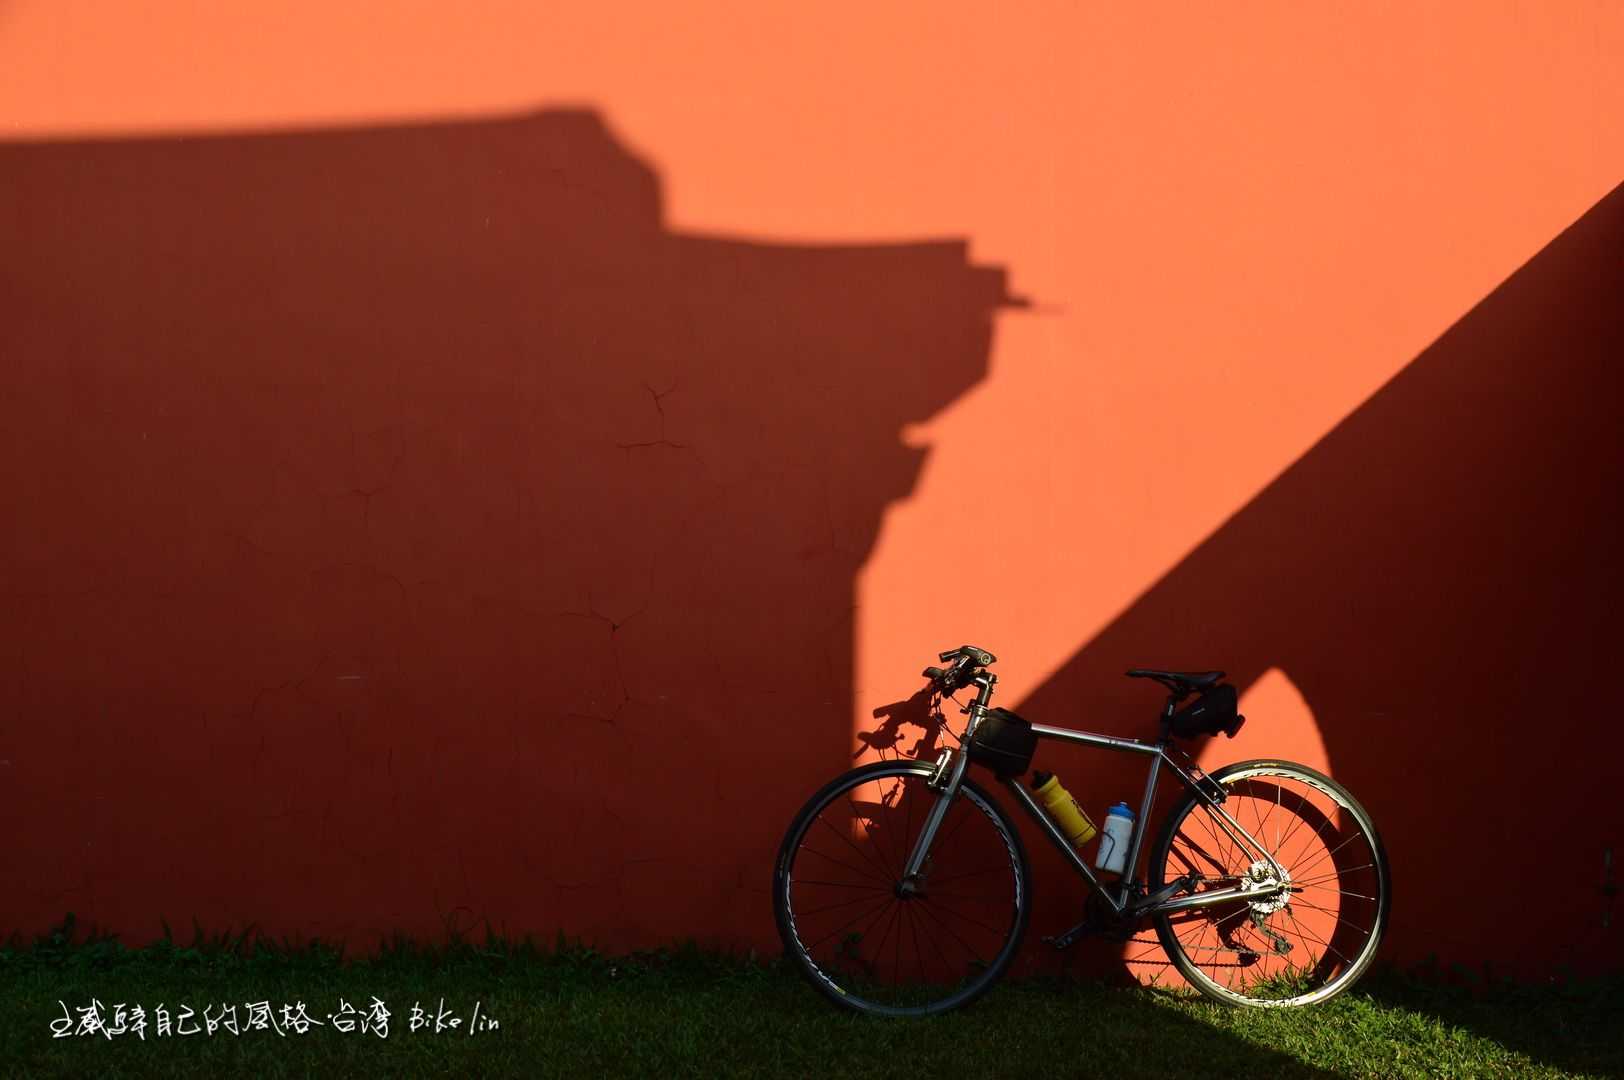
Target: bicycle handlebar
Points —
{"points": [[964, 659], [979, 656]]}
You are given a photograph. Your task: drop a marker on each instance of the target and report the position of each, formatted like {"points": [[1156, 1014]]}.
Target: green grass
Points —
{"points": [[571, 1011]]}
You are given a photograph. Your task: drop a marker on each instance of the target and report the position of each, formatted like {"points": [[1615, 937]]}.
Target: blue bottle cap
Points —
{"points": [[1120, 810]]}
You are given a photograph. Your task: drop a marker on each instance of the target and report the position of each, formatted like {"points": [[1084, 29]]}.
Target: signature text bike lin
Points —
{"points": [[902, 888]]}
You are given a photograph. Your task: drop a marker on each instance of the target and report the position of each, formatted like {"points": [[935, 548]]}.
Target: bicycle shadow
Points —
{"points": [[918, 711]]}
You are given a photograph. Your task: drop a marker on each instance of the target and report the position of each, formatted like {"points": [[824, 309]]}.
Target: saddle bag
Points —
{"points": [[1003, 742], [1213, 712]]}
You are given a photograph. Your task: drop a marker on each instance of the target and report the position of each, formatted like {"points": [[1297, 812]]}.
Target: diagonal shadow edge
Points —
{"points": [[1428, 574]]}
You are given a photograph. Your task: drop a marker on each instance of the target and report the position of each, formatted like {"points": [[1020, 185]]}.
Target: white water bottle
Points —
{"points": [[1114, 837]]}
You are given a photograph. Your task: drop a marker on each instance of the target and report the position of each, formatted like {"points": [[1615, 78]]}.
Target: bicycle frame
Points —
{"points": [[950, 774]]}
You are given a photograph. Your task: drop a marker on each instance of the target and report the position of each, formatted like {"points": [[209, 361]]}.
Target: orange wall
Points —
{"points": [[489, 464]]}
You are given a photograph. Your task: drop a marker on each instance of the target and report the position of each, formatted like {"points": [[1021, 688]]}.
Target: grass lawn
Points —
{"points": [[572, 1012]]}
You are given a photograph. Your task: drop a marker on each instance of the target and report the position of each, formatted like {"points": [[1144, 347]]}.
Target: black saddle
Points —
{"points": [[1182, 683]]}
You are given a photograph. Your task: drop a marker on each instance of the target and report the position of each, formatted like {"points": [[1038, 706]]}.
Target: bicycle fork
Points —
{"points": [[945, 781], [949, 773]]}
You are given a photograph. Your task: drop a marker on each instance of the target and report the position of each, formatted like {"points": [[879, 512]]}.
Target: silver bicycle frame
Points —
{"points": [[1119, 894]]}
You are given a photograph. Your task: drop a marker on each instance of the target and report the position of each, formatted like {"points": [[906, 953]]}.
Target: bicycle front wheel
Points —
{"points": [[1304, 944], [874, 947]]}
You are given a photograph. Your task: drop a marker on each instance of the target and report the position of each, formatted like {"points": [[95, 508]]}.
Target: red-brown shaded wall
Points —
{"points": [[489, 466], [419, 531]]}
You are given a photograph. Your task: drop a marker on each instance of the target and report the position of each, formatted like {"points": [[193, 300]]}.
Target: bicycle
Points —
{"points": [[1286, 911]]}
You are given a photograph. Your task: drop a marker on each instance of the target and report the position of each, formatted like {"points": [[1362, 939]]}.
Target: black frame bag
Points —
{"points": [[1004, 742]]}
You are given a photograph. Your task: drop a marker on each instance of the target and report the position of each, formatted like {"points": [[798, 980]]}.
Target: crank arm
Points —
{"points": [[1070, 937]]}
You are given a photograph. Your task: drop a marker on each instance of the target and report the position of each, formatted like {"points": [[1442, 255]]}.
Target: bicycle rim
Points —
{"points": [[1310, 942], [851, 930]]}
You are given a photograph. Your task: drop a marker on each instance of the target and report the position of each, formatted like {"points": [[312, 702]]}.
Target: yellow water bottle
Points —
{"points": [[1063, 808]]}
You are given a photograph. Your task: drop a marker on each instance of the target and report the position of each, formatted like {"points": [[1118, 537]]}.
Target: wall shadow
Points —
{"points": [[413, 530], [1577, 1027], [1439, 576]]}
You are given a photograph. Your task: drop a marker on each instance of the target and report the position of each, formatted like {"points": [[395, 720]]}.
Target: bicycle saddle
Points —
{"points": [[1180, 682]]}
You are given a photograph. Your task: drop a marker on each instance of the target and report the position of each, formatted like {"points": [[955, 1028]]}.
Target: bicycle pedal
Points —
{"points": [[1069, 938]]}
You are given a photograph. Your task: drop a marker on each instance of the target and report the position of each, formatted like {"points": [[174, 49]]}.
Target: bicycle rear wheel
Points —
{"points": [[1304, 945], [857, 936]]}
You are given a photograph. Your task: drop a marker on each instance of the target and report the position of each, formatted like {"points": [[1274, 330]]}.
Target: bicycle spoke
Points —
{"points": [[966, 918], [919, 954], [1316, 940], [1312, 834], [1302, 803], [1297, 889], [860, 852], [1298, 884], [1350, 925], [1261, 817], [1219, 837], [973, 873], [851, 930], [884, 903], [863, 821], [1296, 823], [841, 885], [1262, 822], [1205, 929], [885, 818], [992, 901], [972, 953], [840, 904], [920, 921], [879, 950], [847, 865], [1190, 866], [896, 949], [1331, 852]]}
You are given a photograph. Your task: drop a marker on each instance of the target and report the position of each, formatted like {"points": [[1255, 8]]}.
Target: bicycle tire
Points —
{"points": [[840, 987], [1297, 988]]}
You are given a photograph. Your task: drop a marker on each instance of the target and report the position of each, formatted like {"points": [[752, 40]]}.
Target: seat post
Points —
{"points": [[1167, 717]]}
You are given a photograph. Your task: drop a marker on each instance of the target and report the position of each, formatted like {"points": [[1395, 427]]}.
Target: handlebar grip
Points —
{"points": [[964, 659]]}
